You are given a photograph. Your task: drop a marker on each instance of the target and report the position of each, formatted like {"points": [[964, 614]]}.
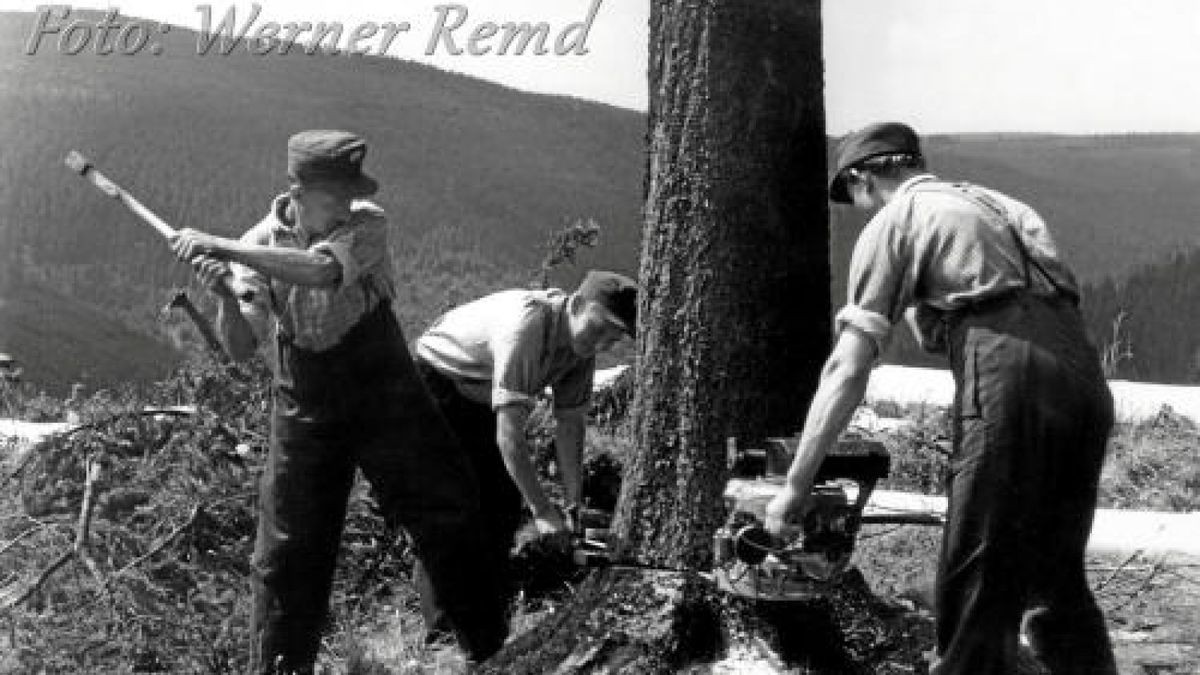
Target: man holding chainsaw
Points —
{"points": [[979, 278], [486, 363], [346, 395]]}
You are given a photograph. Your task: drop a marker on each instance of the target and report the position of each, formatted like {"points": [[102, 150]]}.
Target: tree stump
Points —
{"points": [[633, 620]]}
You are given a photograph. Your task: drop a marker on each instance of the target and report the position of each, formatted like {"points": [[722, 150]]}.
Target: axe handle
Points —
{"points": [[110, 189], [146, 214], [79, 164], [182, 301]]}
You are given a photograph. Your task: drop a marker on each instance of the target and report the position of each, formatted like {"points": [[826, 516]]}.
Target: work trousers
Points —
{"points": [[360, 404], [1032, 415], [502, 507]]}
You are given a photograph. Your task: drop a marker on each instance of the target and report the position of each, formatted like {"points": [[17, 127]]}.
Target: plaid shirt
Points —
{"points": [[317, 318], [507, 347], [932, 247]]}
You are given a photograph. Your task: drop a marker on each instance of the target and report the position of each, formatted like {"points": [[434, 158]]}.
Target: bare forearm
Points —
{"points": [[515, 453], [841, 389], [292, 266], [568, 445]]}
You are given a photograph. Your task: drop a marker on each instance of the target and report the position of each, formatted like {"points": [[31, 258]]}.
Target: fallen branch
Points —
{"points": [[1158, 566], [158, 545], [24, 462], [84, 529], [26, 533], [1109, 568], [10, 597], [1124, 563], [14, 595]]}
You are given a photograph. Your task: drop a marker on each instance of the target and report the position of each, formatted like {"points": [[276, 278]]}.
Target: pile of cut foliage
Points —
{"points": [[129, 546]]}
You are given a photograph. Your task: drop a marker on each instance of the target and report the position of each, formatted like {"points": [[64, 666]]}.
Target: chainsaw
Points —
{"points": [[749, 562]]}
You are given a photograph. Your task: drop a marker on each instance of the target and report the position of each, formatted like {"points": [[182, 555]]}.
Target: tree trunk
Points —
{"points": [[735, 258], [734, 327]]}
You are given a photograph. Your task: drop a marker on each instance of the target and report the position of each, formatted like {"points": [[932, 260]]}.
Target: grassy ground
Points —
{"points": [[182, 607], [1150, 465], [1151, 603]]}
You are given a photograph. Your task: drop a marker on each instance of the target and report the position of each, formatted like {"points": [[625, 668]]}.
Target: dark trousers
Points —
{"points": [[502, 507], [1032, 417], [360, 404]]}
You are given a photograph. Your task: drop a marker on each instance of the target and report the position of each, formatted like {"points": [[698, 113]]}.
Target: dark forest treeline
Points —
{"points": [[1146, 324], [1159, 310]]}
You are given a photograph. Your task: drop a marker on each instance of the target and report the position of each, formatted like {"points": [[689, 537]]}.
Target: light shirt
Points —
{"points": [[507, 347], [317, 318], [936, 249]]}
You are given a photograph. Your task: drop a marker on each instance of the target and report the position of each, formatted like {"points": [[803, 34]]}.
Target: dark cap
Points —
{"points": [[616, 293], [330, 157], [886, 138]]}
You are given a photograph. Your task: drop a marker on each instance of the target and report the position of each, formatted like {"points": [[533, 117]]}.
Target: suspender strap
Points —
{"points": [[374, 292], [989, 205]]}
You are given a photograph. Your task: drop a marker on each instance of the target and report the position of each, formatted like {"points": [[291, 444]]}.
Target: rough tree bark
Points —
{"points": [[734, 327], [735, 258]]}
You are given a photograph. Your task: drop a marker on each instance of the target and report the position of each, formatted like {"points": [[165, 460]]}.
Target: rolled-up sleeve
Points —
{"points": [[880, 285], [516, 354], [359, 247]]}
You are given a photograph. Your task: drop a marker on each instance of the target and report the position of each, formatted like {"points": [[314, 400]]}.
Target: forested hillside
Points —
{"points": [[475, 176], [61, 340]]}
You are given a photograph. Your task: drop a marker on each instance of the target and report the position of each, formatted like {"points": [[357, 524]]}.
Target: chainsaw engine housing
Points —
{"points": [[747, 561]]}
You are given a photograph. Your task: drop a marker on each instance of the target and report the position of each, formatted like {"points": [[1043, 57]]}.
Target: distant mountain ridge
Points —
{"points": [[474, 175], [59, 341]]}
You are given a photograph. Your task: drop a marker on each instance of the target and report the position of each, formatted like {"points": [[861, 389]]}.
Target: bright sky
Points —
{"points": [[1014, 65], [941, 65]]}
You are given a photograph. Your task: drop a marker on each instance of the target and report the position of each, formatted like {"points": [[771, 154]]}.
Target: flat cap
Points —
{"points": [[615, 292], [320, 156], [885, 138]]}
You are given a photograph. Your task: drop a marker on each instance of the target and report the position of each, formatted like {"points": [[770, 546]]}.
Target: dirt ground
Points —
{"points": [[1153, 608], [1152, 602]]}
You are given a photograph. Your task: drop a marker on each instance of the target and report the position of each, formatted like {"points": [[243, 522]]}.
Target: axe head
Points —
{"points": [[77, 162]]}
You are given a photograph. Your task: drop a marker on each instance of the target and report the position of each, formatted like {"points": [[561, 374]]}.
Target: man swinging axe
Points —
{"points": [[314, 276], [1032, 411]]}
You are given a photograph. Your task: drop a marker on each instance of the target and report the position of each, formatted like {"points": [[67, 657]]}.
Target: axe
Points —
{"points": [[79, 164], [182, 301]]}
